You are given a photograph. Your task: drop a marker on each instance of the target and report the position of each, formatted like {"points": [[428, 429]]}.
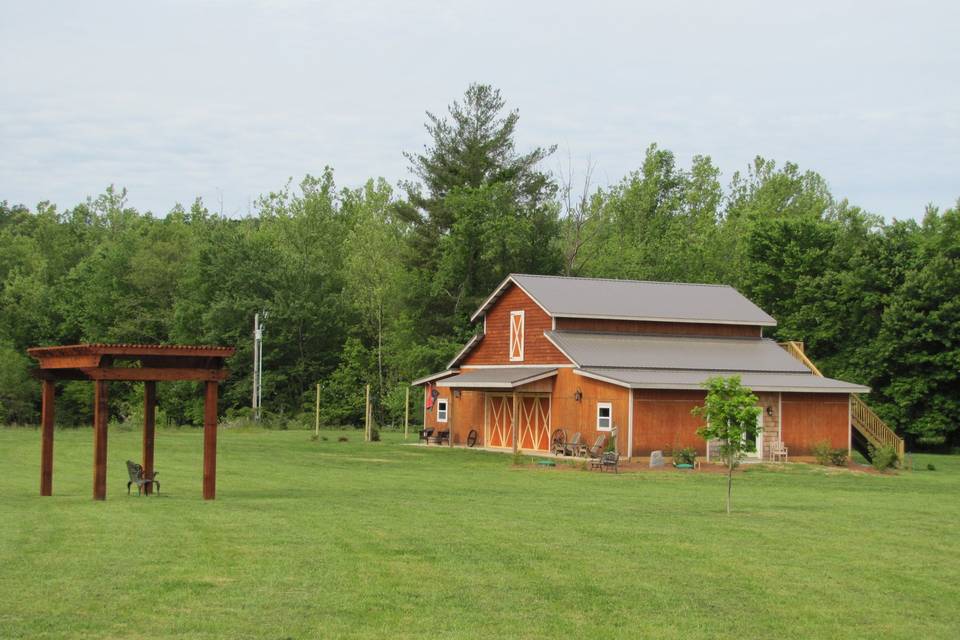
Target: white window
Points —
{"points": [[604, 416], [441, 410], [516, 336]]}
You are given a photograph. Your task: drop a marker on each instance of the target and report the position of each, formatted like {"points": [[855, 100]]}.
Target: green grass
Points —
{"points": [[351, 540]]}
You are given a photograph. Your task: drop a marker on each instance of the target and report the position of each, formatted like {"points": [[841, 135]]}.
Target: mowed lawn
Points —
{"points": [[352, 540]]}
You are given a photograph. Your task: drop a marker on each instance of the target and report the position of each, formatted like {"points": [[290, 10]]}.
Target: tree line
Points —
{"points": [[375, 283]]}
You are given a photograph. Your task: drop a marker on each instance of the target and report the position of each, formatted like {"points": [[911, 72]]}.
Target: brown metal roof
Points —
{"points": [[634, 300]]}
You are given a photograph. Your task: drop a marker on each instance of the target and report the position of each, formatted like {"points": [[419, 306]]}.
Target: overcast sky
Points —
{"points": [[226, 100]]}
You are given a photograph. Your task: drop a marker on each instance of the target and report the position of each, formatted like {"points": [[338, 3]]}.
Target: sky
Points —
{"points": [[227, 100]]}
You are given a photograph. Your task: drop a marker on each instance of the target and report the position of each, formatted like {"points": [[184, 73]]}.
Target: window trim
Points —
{"points": [[510, 335], [445, 409], [609, 407]]}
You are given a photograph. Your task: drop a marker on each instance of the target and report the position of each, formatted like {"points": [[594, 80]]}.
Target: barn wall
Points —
{"points": [[494, 347], [662, 421], [573, 416], [668, 328], [809, 418], [465, 413]]}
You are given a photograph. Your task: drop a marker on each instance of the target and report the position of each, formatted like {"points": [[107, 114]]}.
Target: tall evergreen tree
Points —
{"points": [[479, 209]]}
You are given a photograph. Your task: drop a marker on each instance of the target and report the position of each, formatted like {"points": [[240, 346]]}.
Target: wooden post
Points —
{"points": [[316, 427], [366, 425], [513, 424], [46, 439], [100, 417], [210, 441], [406, 414], [149, 428]]}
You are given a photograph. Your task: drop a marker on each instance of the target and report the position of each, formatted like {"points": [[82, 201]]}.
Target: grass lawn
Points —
{"points": [[332, 540]]}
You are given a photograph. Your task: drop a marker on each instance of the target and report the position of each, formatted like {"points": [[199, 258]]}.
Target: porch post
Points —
{"points": [[149, 428], [46, 439], [513, 424], [210, 441], [100, 416]]}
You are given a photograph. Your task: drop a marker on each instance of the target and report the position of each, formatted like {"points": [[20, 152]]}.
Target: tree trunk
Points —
{"points": [[729, 483]]}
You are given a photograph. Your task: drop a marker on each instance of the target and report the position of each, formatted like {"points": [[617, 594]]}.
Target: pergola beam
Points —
{"points": [[158, 374]]}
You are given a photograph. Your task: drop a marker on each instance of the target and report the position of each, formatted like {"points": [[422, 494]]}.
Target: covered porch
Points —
{"points": [[508, 409]]}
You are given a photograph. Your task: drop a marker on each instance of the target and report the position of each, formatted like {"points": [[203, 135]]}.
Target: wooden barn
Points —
{"points": [[598, 356]]}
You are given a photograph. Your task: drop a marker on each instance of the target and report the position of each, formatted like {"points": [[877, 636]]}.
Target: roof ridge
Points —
{"points": [[663, 282]]}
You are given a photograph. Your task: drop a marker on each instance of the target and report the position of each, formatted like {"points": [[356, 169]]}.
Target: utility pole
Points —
{"points": [[257, 365]]}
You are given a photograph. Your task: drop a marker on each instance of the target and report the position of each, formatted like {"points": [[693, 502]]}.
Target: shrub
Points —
{"points": [[930, 467], [822, 451], [374, 434], [686, 455], [838, 457], [883, 458]]}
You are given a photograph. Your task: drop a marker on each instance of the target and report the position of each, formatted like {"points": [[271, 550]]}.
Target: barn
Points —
{"points": [[600, 356]]}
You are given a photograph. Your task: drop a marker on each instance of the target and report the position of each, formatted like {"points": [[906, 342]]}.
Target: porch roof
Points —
{"points": [[694, 379], [497, 378]]}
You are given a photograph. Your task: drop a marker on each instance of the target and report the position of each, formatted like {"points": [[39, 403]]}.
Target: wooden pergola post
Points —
{"points": [[46, 439], [149, 429], [210, 441], [100, 417]]}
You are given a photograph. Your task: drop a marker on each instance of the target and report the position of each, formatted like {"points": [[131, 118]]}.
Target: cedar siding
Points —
{"points": [[662, 421], [495, 345], [670, 328], [809, 418]]}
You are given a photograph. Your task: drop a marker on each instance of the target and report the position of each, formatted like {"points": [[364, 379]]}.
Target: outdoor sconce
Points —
{"points": [[578, 395], [770, 411], [456, 393]]}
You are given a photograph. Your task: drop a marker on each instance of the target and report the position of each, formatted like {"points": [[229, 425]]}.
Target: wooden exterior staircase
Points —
{"points": [[868, 424]]}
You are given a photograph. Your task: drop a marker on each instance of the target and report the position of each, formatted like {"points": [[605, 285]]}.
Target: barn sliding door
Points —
{"points": [[498, 427], [533, 428]]}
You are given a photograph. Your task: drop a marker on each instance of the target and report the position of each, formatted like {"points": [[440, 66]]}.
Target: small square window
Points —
{"points": [[441, 410], [604, 416]]}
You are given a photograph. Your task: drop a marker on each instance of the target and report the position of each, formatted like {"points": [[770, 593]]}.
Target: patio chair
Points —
{"points": [[443, 435], [607, 460], [559, 442], [472, 438], [597, 449], [138, 478], [779, 452], [425, 434], [576, 447]]}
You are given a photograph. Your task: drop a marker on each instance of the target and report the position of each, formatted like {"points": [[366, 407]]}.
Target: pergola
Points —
{"points": [[147, 363]]}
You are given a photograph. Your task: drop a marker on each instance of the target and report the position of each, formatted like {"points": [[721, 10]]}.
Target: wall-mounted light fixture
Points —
{"points": [[456, 393], [578, 395], [770, 411]]}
